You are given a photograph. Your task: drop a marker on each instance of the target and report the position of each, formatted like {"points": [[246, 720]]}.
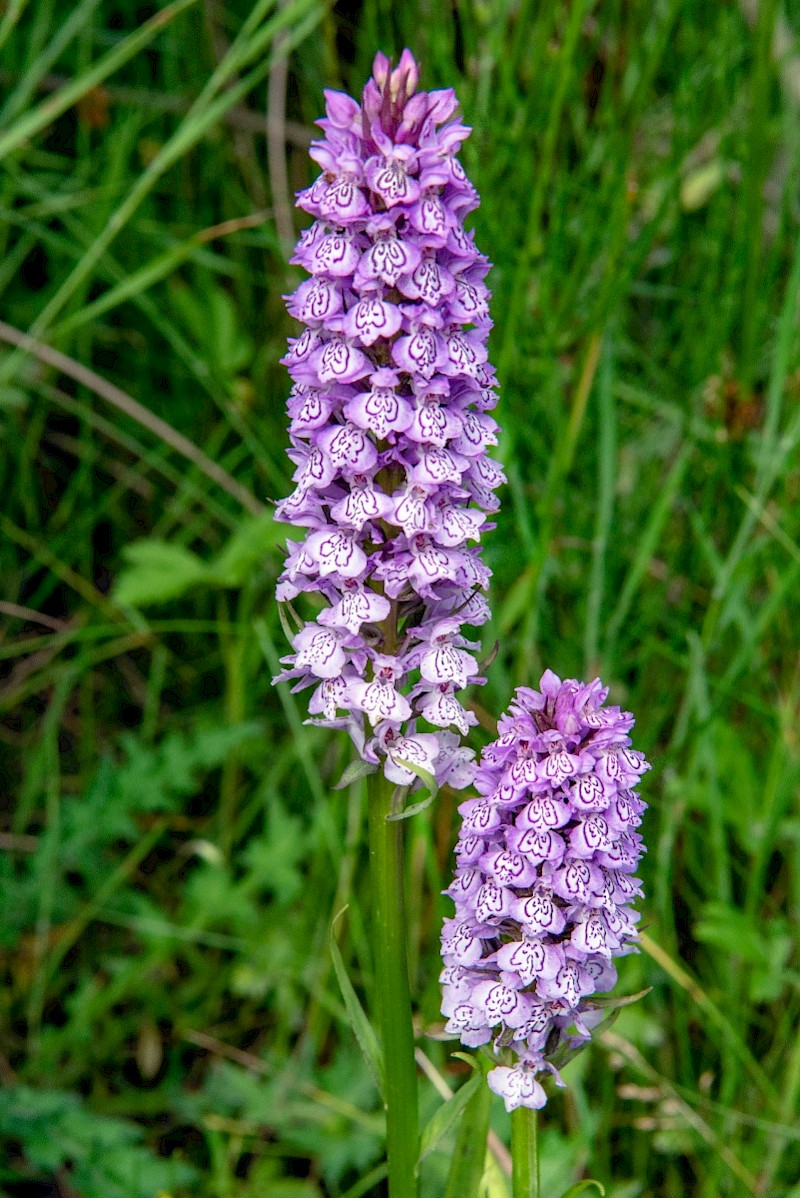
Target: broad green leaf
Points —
{"points": [[255, 539], [157, 571], [444, 1118], [212, 322], [275, 860], [266, 1178], [763, 946], [362, 1028], [104, 1154]]}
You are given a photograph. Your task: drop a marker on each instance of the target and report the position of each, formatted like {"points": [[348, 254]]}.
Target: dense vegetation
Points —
{"points": [[172, 853]]}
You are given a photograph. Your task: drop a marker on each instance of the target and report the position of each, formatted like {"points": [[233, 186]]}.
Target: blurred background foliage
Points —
{"points": [[171, 849]]}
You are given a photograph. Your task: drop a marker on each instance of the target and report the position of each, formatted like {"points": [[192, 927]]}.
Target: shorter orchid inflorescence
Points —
{"points": [[390, 430], [545, 876]]}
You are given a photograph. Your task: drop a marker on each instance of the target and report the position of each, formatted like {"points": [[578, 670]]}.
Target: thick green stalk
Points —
{"points": [[524, 1153], [392, 990]]}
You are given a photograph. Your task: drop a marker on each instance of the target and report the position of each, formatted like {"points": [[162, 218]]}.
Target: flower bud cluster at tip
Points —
{"points": [[390, 428], [544, 881]]}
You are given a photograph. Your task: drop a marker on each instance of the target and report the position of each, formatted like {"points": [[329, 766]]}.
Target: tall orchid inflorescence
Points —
{"points": [[546, 858], [389, 429]]}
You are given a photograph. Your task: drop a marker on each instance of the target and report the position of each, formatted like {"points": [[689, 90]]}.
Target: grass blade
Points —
{"points": [[30, 80], [46, 112], [647, 545], [200, 118], [127, 404]]}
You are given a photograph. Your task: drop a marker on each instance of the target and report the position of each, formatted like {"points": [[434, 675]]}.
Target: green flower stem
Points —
{"points": [[524, 1153], [392, 990]]}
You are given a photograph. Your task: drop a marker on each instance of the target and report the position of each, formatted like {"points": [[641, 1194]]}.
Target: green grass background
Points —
{"points": [[171, 850]]}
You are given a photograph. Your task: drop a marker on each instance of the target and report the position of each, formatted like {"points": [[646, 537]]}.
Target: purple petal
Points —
{"points": [[517, 1087], [380, 701], [372, 318], [320, 650]]}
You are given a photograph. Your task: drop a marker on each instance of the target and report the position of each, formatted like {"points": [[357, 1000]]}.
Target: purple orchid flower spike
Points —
{"points": [[544, 881], [390, 429]]}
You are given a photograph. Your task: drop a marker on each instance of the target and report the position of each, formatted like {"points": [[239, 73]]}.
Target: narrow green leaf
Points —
{"points": [[366, 1183], [289, 632], [430, 782], [613, 1001], [14, 10], [354, 771], [362, 1028], [582, 1186], [444, 1118], [414, 809], [467, 1058], [604, 501], [566, 1052], [469, 1158], [131, 286], [426, 776], [773, 451]]}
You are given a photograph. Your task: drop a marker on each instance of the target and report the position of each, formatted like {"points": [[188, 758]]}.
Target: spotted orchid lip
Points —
{"points": [[544, 880], [389, 429]]}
